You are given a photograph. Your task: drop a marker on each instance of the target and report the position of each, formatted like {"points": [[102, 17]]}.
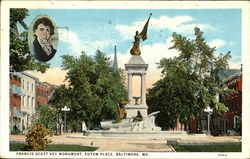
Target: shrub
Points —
{"points": [[15, 132], [37, 137]]}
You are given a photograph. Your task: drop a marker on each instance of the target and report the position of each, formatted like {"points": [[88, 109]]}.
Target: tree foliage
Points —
{"points": [[190, 81], [60, 97], [94, 88], [46, 115], [20, 56]]}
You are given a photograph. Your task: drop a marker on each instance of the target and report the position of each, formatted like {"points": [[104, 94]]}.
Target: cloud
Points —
{"points": [[54, 76], [180, 24], [153, 53], [235, 65], [77, 45], [217, 43], [72, 39]]}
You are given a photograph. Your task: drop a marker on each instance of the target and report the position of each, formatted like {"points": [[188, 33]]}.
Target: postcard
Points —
{"points": [[125, 79]]}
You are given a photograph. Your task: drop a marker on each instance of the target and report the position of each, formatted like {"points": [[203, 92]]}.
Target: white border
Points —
{"points": [[4, 85]]}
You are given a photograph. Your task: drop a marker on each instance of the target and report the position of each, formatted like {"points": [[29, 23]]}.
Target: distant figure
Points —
{"points": [[138, 117], [122, 113], [84, 128], [43, 29], [135, 50]]}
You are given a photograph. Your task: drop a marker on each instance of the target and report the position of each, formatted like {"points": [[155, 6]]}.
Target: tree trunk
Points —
{"points": [[199, 123], [186, 126]]}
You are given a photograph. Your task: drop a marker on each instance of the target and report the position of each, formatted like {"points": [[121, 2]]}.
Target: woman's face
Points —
{"points": [[43, 32]]}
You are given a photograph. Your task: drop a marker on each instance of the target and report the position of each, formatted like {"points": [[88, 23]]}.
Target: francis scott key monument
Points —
{"points": [[133, 118]]}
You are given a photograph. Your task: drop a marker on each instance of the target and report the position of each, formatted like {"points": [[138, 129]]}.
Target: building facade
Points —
{"points": [[15, 101], [28, 100], [226, 122], [44, 92], [233, 101], [26, 93]]}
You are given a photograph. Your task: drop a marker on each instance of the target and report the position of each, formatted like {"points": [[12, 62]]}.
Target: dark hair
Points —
{"points": [[45, 21]]}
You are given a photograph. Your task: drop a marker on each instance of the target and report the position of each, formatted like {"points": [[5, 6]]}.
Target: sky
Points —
{"points": [[91, 29]]}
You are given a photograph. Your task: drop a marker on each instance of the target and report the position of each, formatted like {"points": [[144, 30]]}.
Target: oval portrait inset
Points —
{"points": [[43, 38]]}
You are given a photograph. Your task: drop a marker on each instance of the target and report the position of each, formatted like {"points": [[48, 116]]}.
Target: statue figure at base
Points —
{"points": [[122, 113], [138, 117]]}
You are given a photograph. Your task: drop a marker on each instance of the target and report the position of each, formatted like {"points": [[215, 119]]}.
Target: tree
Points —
{"points": [[20, 56], [60, 98], [94, 89], [190, 81], [46, 115]]}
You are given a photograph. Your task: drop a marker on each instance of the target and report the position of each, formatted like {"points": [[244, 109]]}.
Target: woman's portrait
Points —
{"points": [[43, 38]]}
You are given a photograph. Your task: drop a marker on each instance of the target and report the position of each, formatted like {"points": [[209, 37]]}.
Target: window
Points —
{"points": [[28, 86], [23, 101], [23, 83], [33, 103], [28, 101], [236, 120], [32, 89]]}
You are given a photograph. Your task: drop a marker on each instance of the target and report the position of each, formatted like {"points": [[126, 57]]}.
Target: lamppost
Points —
{"points": [[65, 109], [209, 111]]}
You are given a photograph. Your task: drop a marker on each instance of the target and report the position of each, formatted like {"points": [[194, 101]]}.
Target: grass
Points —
{"points": [[22, 147], [17, 147], [208, 148]]}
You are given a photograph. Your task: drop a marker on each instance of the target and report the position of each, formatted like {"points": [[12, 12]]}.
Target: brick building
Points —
{"points": [[227, 122], [15, 100], [43, 92], [233, 102], [26, 92]]}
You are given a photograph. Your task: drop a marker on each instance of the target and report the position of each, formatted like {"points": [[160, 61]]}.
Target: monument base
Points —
{"points": [[128, 125], [132, 110], [138, 135]]}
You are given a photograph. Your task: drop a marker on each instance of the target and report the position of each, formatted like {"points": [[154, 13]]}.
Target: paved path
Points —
{"points": [[132, 145], [135, 146], [107, 144]]}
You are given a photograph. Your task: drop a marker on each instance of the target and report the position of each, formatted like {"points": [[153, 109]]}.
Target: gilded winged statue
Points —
{"points": [[135, 50]]}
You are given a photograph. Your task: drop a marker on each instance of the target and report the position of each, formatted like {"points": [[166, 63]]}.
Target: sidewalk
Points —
{"points": [[133, 145], [209, 140], [115, 145]]}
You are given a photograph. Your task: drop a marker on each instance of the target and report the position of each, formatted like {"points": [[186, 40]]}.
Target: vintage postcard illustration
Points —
{"points": [[116, 79]]}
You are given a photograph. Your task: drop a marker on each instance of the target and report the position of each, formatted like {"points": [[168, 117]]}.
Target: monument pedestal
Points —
{"points": [[133, 108], [136, 67]]}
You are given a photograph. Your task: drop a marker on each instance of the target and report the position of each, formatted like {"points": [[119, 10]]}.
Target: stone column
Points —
{"points": [[130, 87], [143, 88]]}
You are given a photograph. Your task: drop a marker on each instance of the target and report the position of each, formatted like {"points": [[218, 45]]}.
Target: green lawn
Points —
{"points": [[21, 147], [208, 148]]}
